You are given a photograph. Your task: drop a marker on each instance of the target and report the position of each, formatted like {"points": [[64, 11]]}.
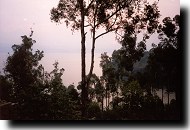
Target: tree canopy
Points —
{"points": [[112, 15], [122, 92]]}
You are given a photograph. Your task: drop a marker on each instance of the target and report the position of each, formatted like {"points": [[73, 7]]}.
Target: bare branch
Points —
{"points": [[111, 30], [87, 25], [113, 23], [89, 5], [108, 17], [119, 34]]}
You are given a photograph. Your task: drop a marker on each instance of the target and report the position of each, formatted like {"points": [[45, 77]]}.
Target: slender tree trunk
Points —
{"points": [[178, 92], [92, 56], [152, 90], [162, 94], [84, 93], [179, 88], [168, 93], [117, 93], [117, 97], [93, 47], [102, 103], [168, 98], [106, 98]]}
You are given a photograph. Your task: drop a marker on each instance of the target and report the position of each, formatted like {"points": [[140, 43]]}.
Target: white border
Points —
{"points": [[185, 4]]}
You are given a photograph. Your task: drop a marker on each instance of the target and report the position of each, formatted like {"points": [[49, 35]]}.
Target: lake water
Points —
{"points": [[71, 62]]}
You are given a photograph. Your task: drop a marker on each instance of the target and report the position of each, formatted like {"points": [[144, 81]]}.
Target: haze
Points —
{"points": [[57, 41]]}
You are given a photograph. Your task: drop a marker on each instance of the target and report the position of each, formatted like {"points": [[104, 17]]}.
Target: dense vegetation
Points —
{"points": [[130, 76], [123, 92]]}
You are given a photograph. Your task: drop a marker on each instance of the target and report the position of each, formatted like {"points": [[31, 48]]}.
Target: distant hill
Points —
{"points": [[140, 65]]}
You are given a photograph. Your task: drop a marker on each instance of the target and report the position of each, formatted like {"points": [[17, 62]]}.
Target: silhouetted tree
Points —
{"points": [[94, 111], [108, 75], [63, 103], [165, 59], [23, 70], [110, 14], [100, 92]]}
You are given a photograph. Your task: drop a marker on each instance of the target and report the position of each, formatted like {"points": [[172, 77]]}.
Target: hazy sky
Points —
{"points": [[57, 41]]}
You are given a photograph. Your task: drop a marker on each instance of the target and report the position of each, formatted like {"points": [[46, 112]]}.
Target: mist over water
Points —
{"points": [[165, 95], [156, 92], [71, 62], [3, 58]]}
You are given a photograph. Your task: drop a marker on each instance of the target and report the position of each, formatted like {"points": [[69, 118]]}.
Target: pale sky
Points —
{"points": [[57, 41]]}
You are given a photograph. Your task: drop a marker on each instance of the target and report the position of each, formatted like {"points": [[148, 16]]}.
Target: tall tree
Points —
{"points": [[115, 69], [62, 103], [107, 74], [166, 56], [24, 71], [109, 14], [73, 11], [100, 92], [171, 49]]}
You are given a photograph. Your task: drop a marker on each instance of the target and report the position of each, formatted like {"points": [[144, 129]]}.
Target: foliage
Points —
{"points": [[164, 60], [23, 70], [113, 15], [63, 103], [120, 93], [93, 111], [37, 94], [5, 88]]}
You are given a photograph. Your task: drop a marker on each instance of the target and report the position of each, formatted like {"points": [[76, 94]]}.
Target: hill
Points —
{"points": [[140, 65]]}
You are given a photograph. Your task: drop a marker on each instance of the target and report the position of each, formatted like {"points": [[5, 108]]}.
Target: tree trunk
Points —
{"points": [[93, 48], [162, 94], [84, 93], [178, 92], [102, 103], [92, 57], [168, 97], [117, 93], [117, 98], [179, 88], [168, 91], [106, 98], [152, 90]]}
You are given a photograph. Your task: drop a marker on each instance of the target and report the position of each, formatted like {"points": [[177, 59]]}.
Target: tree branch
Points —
{"points": [[108, 17], [120, 7], [113, 23], [93, 46], [119, 34], [87, 25], [89, 5], [111, 30]]}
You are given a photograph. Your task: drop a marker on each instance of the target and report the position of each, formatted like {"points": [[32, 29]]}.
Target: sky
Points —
{"points": [[58, 42]]}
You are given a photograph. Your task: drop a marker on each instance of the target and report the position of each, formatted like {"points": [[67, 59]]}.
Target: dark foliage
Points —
{"points": [[28, 92]]}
